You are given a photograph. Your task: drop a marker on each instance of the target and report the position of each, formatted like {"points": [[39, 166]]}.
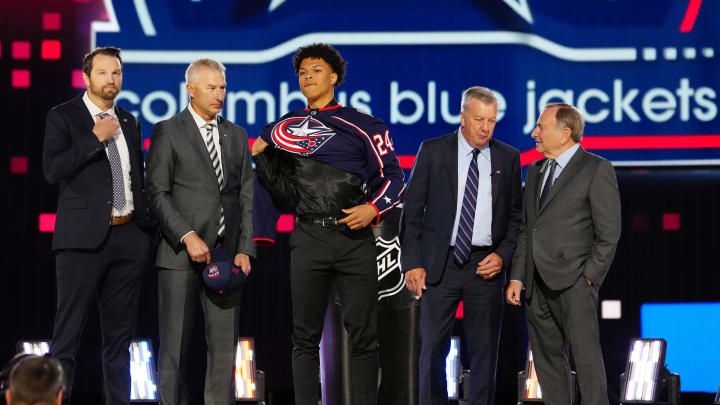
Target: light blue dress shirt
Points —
{"points": [[482, 227]]}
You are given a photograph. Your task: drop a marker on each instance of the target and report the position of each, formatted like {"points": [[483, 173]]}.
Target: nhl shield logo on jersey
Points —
{"points": [[213, 271], [301, 135]]}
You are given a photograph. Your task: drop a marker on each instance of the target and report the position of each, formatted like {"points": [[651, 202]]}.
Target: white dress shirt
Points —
{"points": [[122, 151], [482, 227]]}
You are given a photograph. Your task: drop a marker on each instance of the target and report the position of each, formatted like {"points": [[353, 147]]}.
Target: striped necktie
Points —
{"points": [[463, 239], [215, 159], [113, 155]]}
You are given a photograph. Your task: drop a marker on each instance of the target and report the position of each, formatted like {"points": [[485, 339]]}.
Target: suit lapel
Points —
{"points": [[566, 174], [537, 177], [225, 152], [495, 172], [197, 141], [129, 133], [84, 114], [451, 161]]}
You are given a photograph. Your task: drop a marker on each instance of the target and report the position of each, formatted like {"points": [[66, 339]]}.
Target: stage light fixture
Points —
{"points": [[531, 386], [142, 372], [36, 347], [646, 379], [245, 388], [529, 390], [452, 368]]}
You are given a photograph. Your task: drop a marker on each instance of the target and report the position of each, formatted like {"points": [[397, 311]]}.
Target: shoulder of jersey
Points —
{"points": [[360, 116]]}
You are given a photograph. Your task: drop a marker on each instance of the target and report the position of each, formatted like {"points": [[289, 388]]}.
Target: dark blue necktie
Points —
{"points": [[463, 239], [548, 182]]}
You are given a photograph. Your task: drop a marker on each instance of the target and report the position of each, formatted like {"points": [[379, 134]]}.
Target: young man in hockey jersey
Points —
{"points": [[337, 168]]}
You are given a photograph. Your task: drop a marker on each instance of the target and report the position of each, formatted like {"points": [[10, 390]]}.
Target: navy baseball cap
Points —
{"points": [[221, 275]]}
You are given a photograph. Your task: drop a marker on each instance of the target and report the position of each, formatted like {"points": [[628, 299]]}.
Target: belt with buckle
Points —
{"points": [[324, 221], [121, 220]]}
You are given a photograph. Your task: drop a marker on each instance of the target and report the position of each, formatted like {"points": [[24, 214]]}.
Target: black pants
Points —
{"points": [[482, 308], [563, 320], [113, 274], [320, 256]]}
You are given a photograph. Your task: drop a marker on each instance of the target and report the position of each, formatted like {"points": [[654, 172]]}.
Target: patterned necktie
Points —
{"points": [[215, 159], [463, 239], [548, 182], [116, 169]]}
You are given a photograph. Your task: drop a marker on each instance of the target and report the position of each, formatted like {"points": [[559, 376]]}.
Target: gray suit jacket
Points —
{"points": [[184, 194], [576, 230]]}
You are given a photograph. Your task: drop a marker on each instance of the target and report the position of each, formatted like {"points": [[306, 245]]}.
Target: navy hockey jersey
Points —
{"points": [[346, 139]]}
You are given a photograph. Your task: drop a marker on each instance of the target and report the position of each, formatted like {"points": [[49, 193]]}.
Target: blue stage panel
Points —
{"points": [[691, 331]]}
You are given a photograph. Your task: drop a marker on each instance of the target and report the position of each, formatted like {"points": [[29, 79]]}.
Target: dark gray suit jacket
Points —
{"points": [[577, 229], [430, 203], [184, 194]]}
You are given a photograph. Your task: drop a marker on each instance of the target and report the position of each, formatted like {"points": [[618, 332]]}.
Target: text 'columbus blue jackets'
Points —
{"points": [[347, 139]]}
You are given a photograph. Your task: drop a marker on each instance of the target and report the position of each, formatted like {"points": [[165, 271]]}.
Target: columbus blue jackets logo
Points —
{"points": [[213, 271], [301, 135], [391, 279]]}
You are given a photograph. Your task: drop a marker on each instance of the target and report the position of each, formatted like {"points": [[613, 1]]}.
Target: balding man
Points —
{"points": [[200, 188], [571, 227]]}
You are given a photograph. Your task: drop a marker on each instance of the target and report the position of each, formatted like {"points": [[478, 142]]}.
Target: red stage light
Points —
{"points": [[18, 164], [20, 78], [460, 313], [46, 223], [77, 79], [51, 21], [406, 161], [146, 143], [640, 222], [286, 223], [21, 49], [671, 222], [50, 49]]}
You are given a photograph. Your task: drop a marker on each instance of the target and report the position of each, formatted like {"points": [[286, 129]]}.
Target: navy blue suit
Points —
{"points": [[95, 260], [426, 226]]}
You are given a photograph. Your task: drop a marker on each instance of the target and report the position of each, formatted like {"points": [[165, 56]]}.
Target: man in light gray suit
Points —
{"points": [[199, 180], [569, 233]]}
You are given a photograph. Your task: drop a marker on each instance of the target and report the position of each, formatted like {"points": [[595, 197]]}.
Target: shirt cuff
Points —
{"points": [[521, 283], [183, 237]]}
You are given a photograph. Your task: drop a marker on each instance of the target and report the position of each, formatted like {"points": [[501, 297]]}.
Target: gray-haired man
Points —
{"points": [[200, 188]]}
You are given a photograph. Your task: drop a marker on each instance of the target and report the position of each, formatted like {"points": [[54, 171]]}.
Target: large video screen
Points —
{"points": [[643, 72]]}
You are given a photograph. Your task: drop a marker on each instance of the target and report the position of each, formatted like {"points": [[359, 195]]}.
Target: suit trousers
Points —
{"points": [[483, 310], [562, 320], [321, 256], [112, 274], [178, 295]]}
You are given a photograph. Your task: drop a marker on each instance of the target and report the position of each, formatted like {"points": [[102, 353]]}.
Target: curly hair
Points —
{"points": [[325, 52]]}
